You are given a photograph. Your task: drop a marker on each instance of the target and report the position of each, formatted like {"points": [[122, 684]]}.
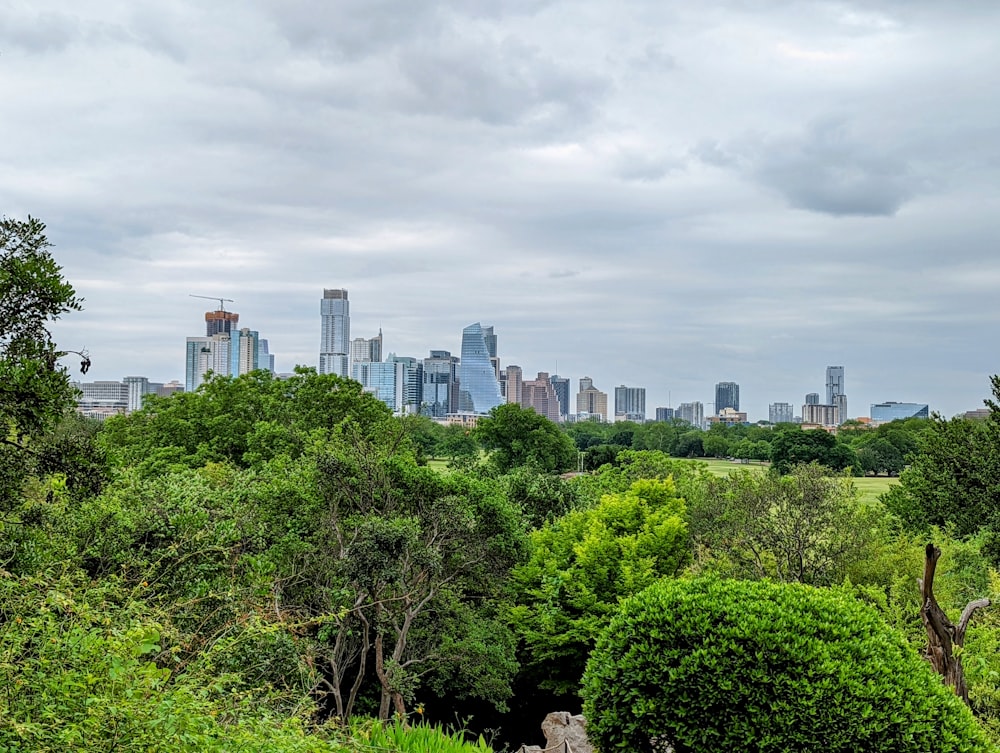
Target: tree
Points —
{"points": [[580, 566], [34, 389], [707, 665], [803, 527], [794, 446], [518, 436]]}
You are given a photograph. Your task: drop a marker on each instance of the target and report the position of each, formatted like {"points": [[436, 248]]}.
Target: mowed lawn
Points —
{"points": [[869, 487]]}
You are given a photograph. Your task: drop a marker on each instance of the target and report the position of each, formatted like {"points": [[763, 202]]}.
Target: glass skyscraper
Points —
{"points": [[892, 411], [479, 390], [727, 395], [335, 335]]}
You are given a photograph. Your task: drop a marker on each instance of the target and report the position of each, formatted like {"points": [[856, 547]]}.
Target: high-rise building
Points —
{"points": [[834, 384], [841, 402], [590, 401], [823, 415], [693, 413], [490, 338], [780, 413], [479, 390], [220, 322], [812, 398], [561, 386], [439, 395], [266, 359], [630, 403], [206, 354], [366, 350], [727, 395], [539, 395], [893, 411], [515, 380], [335, 334], [664, 414], [413, 383], [383, 379]]}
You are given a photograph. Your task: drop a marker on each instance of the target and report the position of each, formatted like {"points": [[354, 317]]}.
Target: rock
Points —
{"points": [[561, 727]]}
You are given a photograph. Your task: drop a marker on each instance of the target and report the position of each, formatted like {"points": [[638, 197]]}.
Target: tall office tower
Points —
{"points": [[245, 351], [383, 379], [413, 383], [539, 395], [439, 395], [220, 322], [834, 383], [366, 350], [266, 357], [727, 395], [137, 388], [693, 413], [664, 414], [514, 384], [490, 338], [630, 403], [479, 390], [590, 401], [561, 386], [335, 334], [841, 402], [780, 413], [812, 398], [205, 354]]}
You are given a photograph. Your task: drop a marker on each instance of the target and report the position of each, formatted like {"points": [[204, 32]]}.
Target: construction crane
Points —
{"points": [[214, 298]]}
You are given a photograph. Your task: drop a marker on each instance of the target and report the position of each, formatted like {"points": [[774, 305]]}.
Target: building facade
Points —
{"points": [[664, 414], [727, 395], [478, 388], [729, 417], [439, 395], [893, 411], [539, 395], [781, 413], [590, 401], [335, 333], [630, 403], [561, 386], [822, 415], [693, 413], [514, 380], [366, 350], [812, 398]]}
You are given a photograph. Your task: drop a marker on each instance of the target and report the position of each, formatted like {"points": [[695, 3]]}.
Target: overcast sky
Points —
{"points": [[657, 194]]}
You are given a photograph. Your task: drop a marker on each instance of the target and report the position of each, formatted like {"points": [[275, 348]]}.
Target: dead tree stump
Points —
{"points": [[944, 640]]}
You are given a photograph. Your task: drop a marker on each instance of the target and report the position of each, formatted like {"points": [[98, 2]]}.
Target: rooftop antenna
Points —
{"points": [[220, 299]]}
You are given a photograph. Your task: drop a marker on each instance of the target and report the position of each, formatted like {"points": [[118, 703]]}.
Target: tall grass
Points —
{"points": [[417, 738]]}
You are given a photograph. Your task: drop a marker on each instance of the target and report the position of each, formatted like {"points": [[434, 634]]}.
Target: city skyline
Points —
{"points": [[660, 194]]}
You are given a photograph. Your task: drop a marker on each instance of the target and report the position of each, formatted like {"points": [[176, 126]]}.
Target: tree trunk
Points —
{"points": [[944, 640]]}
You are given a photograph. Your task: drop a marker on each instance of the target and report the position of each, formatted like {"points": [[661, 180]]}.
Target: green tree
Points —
{"points": [[580, 566], [517, 436], [794, 446], [34, 389], [805, 527], [709, 665]]}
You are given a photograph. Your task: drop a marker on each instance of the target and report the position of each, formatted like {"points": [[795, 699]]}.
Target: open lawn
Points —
{"points": [[870, 487]]}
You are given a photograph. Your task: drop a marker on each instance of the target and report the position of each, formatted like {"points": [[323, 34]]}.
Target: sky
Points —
{"points": [[661, 194]]}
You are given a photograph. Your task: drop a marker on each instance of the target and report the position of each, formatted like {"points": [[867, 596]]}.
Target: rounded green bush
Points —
{"points": [[712, 665]]}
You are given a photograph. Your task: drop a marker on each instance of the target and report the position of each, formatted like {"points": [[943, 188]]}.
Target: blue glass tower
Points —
{"points": [[479, 390]]}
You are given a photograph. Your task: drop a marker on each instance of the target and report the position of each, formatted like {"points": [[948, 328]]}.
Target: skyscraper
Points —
{"points": [[836, 394], [780, 413], [727, 395], [630, 403], [220, 322], [490, 338], [590, 401], [366, 350], [206, 354], [812, 398], [693, 413], [335, 334], [561, 386], [515, 379], [479, 390], [539, 395], [439, 396]]}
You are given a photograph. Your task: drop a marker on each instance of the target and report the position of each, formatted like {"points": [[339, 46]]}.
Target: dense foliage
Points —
{"points": [[709, 665]]}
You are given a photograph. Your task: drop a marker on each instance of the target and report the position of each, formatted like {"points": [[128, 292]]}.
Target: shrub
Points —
{"points": [[713, 665]]}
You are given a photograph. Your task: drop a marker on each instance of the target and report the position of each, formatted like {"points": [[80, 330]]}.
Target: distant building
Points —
{"points": [[478, 388], [204, 355], [220, 322], [664, 414], [514, 381], [366, 350], [693, 413], [539, 395], [590, 401], [561, 386], [812, 398], [439, 395], [266, 356], [383, 379], [821, 415], [335, 333], [780, 413], [727, 395], [729, 417], [102, 399], [836, 394], [892, 411], [490, 338], [979, 414], [630, 403]]}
